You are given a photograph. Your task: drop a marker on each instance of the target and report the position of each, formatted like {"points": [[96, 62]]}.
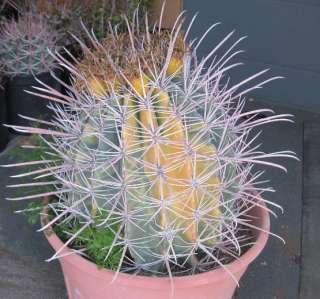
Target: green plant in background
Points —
{"points": [[94, 239], [25, 46], [28, 149], [151, 157], [98, 14], [64, 16], [22, 152], [32, 211]]}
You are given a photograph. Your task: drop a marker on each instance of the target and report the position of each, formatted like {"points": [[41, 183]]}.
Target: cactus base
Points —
{"points": [[84, 280]]}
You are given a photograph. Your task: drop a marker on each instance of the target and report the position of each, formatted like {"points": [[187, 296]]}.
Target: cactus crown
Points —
{"points": [[154, 140], [24, 46]]}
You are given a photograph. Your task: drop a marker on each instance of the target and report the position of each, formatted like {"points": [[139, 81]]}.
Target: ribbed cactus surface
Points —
{"points": [[156, 140], [24, 46]]}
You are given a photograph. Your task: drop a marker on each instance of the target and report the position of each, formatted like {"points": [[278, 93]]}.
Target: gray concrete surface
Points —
{"points": [[24, 274]]}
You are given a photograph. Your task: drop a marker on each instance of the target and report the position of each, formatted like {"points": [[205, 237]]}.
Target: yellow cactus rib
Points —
{"points": [[162, 105], [129, 130], [175, 130], [153, 157], [185, 202], [206, 193], [140, 85], [97, 87], [172, 126], [149, 122], [176, 183], [164, 155], [216, 212], [178, 168], [89, 136], [175, 66]]}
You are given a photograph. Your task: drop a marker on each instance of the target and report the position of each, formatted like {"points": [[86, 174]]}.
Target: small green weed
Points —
{"points": [[96, 240]]}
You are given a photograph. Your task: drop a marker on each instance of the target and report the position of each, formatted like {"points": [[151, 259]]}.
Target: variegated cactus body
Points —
{"points": [[155, 140]]}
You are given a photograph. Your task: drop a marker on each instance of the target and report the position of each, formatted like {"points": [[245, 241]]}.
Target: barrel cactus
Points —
{"points": [[158, 143], [63, 16], [25, 46]]}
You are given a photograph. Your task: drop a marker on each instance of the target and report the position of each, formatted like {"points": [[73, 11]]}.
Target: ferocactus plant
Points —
{"points": [[63, 16], [25, 46], [155, 146]]}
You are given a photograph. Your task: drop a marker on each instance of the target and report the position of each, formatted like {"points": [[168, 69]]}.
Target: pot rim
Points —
{"points": [[154, 282]]}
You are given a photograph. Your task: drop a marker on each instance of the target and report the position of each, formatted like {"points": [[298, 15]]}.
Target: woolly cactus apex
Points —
{"points": [[164, 152], [131, 57], [24, 46]]}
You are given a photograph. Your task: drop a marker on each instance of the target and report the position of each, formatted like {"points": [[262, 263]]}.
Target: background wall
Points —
{"points": [[281, 35]]}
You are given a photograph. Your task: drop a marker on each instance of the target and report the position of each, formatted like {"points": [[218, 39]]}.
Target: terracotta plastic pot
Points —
{"points": [[84, 280]]}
